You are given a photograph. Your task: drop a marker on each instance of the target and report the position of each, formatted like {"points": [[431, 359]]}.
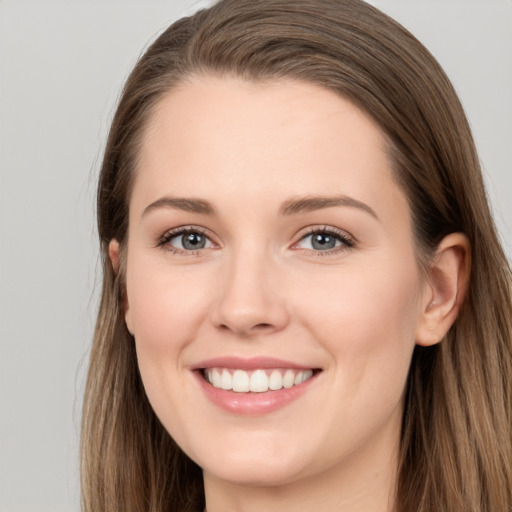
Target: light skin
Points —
{"points": [[255, 169]]}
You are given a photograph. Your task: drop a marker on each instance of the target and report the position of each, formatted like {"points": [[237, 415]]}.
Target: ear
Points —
{"points": [[113, 252], [445, 289]]}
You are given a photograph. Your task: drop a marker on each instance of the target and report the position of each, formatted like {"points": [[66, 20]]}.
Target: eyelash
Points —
{"points": [[165, 239], [347, 242]]}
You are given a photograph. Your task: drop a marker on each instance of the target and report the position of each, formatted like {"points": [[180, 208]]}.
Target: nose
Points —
{"points": [[251, 298]]}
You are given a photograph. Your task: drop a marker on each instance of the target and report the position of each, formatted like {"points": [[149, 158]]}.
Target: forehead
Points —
{"points": [[232, 136]]}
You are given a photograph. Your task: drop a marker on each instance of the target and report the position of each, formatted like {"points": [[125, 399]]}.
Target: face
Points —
{"points": [[272, 285]]}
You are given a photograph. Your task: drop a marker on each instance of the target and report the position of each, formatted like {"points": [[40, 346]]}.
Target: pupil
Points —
{"points": [[323, 242], [193, 241]]}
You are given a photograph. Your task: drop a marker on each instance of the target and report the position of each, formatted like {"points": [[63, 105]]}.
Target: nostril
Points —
{"points": [[254, 329]]}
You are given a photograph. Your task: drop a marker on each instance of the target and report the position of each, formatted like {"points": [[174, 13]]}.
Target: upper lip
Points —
{"points": [[252, 363]]}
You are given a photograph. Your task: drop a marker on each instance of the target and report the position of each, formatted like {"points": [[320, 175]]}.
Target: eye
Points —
{"points": [[327, 239], [185, 240]]}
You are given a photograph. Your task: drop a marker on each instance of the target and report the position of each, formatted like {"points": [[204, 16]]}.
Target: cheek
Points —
{"points": [[164, 308], [367, 305], [366, 320], [165, 311]]}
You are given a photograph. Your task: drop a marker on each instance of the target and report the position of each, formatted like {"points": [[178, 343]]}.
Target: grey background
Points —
{"points": [[62, 64]]}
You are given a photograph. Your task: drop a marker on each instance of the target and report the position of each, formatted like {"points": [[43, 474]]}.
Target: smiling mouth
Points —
{"points": [[256, 381]]}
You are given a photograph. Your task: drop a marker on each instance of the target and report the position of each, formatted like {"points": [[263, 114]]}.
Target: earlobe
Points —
{"points": [[448, 278]]}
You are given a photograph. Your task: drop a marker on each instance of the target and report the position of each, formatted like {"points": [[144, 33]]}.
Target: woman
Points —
{"points": [[305, 302]]}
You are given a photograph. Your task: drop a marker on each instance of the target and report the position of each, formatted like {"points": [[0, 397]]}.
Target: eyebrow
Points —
{"points": [[291, 206], [311, 203], [179, 203]]}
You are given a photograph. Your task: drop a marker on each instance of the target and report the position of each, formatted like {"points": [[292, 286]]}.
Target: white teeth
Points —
{"points": [[288, 379], [257, 381], [215, 377], [303, 376], [226, 381], [276, 380], [240, 381]]}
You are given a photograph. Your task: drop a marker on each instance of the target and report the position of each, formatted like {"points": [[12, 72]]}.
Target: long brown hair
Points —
{"points": [[456, 447]]}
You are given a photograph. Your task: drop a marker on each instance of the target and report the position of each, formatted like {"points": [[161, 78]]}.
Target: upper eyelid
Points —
{"points": [[180, 230], [326, 229], [186, 229], [348, 242], [301, 234]]}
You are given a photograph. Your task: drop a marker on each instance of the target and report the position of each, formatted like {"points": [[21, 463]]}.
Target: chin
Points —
{"points": [[253, 462], [255, 473]]}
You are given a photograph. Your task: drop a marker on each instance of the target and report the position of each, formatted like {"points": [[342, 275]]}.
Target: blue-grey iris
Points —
{"points": [[193, 241], [323, 241]]}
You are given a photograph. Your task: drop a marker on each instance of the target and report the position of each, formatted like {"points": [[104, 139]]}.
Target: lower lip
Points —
{"points": [[253, 404]]}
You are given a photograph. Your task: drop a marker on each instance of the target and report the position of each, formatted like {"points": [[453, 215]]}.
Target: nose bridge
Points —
{"points": [[250, 300]]}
